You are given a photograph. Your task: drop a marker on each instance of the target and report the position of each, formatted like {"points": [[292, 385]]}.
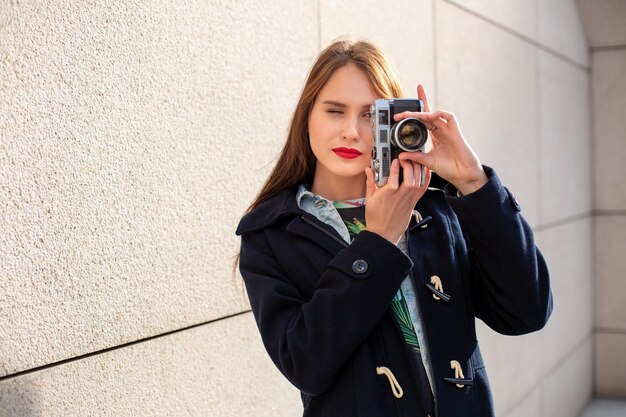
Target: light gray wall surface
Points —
{"points": [[132, 138], [605, 24], [134, 134]]}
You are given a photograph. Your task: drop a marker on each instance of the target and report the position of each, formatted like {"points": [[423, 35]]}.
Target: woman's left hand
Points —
{"points": [[450, 156]]}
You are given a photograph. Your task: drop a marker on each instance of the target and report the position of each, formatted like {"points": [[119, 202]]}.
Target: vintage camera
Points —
{"points": [[391, 137]]}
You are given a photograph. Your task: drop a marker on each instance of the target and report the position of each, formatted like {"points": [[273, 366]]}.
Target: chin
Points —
{"points": [[344, 169], [350, 173]]}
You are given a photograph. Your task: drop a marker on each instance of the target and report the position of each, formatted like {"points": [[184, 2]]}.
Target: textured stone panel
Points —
{"points": [[561, 29], [488, 78], [511, 364], [604, 21], [134, 135], [529, 406], [220, 369], [403, 30], [610, 365], [610, 264], [517, 15], [555, 24], [565, 147], [569, 387], [568, 252], [517, 364], [609, 129]]}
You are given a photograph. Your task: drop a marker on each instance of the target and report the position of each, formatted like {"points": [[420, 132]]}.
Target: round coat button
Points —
{"points": [[359, 266], [514, 201]]}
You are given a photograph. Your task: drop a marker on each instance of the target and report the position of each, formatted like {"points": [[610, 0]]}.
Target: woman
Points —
{"points": [[365, 296]]}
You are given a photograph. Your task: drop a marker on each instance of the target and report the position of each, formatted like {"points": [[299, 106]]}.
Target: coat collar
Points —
{"points": [[271, 210], [285, 203]]}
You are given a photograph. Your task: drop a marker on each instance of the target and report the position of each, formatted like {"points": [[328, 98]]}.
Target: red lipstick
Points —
{"points": [[347, 153]]}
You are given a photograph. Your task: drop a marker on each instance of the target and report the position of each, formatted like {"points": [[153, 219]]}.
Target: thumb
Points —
{"points": [[370, 186]]}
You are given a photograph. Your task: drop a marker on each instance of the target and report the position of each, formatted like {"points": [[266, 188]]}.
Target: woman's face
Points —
{"points": [[339, 125]]}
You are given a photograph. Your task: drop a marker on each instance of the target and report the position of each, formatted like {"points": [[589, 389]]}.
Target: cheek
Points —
{"points": [[321, 131], [366, 133], [313, 131]]}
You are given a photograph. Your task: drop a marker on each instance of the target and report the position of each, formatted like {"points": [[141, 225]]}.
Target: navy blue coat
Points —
{"points": [[322, 307]]}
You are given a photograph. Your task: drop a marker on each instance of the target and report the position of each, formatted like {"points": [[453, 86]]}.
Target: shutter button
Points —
{"points": [[359, 266]]}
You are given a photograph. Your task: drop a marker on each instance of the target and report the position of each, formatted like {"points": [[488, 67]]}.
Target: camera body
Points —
{"points": [[391, 137]]}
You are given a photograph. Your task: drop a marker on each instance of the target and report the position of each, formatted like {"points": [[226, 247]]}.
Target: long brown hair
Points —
{"points": [[296, 163]]}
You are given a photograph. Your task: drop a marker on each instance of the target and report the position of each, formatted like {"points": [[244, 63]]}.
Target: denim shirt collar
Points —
{"points": [[323, 209]]}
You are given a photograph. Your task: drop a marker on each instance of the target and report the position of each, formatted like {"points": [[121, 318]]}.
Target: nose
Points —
{"points": [[350, 130]]}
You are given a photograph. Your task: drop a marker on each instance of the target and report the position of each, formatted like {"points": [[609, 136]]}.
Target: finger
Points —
{"points": [[422, 158], [429, 119], [434, 124], [417, 173], [433, 119], [427, 176], [424, 181], [394, 173], [399, 116], [449, 118], [408, 175], [370, 185], [421, 94]]}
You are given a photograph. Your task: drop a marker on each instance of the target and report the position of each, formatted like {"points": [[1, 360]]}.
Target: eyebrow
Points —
{"points": [[338, 104]]}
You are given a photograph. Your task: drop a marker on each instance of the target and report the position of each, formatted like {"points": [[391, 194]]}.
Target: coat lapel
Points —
{"points": [[321, 234]]}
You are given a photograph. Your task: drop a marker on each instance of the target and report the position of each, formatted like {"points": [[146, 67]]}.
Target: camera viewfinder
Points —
{"points": [[383, 117]]}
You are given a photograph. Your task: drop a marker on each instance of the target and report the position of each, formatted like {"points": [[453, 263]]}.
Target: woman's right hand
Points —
{"points": [[388, 208]]}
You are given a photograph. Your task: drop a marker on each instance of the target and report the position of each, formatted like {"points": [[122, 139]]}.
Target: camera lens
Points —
{"points": [[410, 134]]}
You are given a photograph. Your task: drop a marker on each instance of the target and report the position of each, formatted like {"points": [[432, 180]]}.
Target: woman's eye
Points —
{"points": [[367, 115], [334, 111]]}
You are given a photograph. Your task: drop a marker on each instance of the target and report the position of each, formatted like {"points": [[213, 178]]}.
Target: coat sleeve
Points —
{"points": [[309, 340], [510, 280]]}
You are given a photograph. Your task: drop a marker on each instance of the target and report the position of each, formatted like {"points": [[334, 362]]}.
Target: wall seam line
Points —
{"points": [[578, 345], [609, 330], [577, 217], [522, 37], [563, 222], [609, 48], [109, 349], [608, 213]]}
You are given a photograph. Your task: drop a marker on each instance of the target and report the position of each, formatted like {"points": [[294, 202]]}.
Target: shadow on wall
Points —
{"points": [[18, 398]]}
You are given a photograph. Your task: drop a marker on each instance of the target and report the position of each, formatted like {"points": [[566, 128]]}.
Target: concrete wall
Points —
{"points": [[135, 133], [517, 75], [605, 24]]}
